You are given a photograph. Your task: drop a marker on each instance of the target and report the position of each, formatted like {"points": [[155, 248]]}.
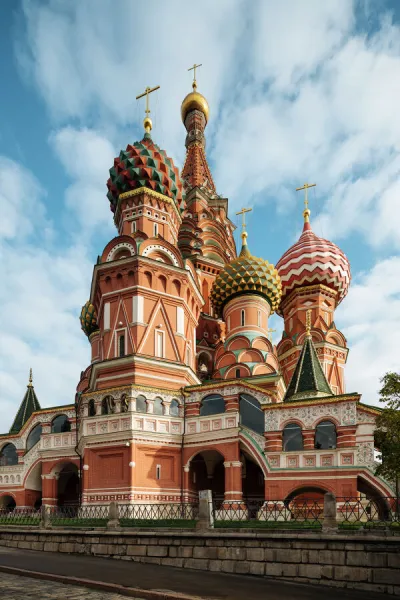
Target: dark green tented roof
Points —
{"points": [[29, 404], [308, 380]]}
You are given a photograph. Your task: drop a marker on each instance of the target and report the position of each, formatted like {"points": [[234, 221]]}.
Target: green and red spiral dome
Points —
{"points": [[144, 164]]}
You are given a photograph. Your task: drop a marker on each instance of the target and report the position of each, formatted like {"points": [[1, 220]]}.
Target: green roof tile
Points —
{"points": [[29, 404]]}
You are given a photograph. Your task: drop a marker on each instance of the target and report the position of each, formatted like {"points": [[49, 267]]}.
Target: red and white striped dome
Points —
{"points": [[313, 260]]}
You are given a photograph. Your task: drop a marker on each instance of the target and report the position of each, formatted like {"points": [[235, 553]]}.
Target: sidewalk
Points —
{"points": [[188, 582]]}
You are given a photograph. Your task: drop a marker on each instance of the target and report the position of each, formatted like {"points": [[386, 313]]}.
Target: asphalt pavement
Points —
{"points": [[203, 584]]}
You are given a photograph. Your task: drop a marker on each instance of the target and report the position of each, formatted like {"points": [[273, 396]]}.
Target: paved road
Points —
{"points": [[186, 581], [14, 587]]}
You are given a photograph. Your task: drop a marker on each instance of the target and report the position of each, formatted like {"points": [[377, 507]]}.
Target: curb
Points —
{"points": [[115, 588]]}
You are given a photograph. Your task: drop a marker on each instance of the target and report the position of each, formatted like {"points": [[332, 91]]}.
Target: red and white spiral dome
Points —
{"points": [[313, 260]]}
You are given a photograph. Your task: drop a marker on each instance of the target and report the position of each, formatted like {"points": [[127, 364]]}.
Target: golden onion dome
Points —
{"points": [[194, 101], [247, 274]]}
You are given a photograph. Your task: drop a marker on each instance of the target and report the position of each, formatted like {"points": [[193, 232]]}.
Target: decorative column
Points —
{"points": [[49, 489], [346, 436], [233, 497], [308, 439], [193, 409], [231, 403], [97, 405], [273, 441], [167, 405]]}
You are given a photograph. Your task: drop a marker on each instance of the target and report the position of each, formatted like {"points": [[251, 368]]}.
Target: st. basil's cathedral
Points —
{"points": [[185, 390]]}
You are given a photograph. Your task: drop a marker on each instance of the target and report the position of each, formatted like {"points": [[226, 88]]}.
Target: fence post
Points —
{"points": [[45, 522], [113, 517], [206, 517], [329, 524]]}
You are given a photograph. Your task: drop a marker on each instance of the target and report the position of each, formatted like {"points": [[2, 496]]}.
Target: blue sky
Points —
{"points": [[298, 91]]}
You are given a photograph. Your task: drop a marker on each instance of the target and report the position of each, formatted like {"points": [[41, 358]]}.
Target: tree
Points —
{"points": [[387, 433]]}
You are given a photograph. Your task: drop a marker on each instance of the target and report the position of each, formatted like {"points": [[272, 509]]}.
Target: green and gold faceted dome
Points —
{"points": [[247, 274], [88, 319]]}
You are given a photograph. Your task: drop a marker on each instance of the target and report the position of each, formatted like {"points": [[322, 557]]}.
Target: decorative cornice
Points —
{"points": [[321, 400], [152, 194]]}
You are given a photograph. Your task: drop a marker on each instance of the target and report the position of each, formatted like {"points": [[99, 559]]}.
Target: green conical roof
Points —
{"points": [[29, 404], [308, 380]]}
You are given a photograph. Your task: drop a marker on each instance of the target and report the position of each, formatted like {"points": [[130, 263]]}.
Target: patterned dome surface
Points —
{"points": [[247, 274], [144, 165], [88, 319], [312, 260]]}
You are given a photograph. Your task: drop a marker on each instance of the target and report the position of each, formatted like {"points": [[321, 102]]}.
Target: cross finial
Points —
{"points": [[30, 378], [270, 331], [306, 212], [308, 322], [244, 233], [147, 121], [194, 84]]}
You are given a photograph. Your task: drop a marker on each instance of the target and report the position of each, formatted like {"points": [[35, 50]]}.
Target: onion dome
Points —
{"points": [[194, 101], [88, 319], [144, 164], [313, 260], [247, 274]]}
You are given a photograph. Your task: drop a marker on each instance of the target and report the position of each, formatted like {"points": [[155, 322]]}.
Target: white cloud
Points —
{"points": [[369, 317], [45, 287]]}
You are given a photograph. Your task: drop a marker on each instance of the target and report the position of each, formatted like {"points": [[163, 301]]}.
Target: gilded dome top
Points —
{"points": [[247, 274], [194, 101], [144, 164], [88, 319]]}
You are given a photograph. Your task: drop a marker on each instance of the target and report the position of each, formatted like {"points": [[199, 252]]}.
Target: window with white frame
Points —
{"points": [[259, 318], [107, 315], [159, 343], [188, 356], [133, 227], [243, 318], [155, 227], [180, 320], [158, 471]]}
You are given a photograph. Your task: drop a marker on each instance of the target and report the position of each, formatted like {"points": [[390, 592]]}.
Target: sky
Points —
{"points": [[299, 91]]}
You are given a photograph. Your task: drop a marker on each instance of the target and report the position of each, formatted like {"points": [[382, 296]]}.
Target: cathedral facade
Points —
{"points": [[185, 390]]}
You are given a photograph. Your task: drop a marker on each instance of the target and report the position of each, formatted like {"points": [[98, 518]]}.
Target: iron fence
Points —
{"points": [[161, 515], [295, 514], [354, 512], [78, 516], [20, 516]]}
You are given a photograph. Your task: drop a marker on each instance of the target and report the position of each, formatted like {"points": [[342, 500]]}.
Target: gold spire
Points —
{"points": [[306, 212], [308, 322], [30, 384], [147, 122], [194, 100]]}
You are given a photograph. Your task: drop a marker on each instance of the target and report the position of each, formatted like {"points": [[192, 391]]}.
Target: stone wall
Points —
{"points": [[364, 562]]}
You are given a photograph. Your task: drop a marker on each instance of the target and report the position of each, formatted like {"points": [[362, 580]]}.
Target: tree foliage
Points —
{"points": [[387, 433]]}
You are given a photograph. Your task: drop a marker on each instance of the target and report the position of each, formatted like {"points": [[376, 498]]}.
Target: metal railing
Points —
{"points": [[78, 516], [304, 514], [161, 515], [20, 516], [354, 512]]}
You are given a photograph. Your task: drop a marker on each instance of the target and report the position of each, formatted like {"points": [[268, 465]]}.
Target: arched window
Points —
{"points": [[325, 436], [174, 408], [251, 415], [60, 424], [292, 437], [33, 437], [212, 405], [242, 318], [91, 408], [8, 456], [121, 345], [124, 403], [158, 407], [108, 405], [141, 404]]}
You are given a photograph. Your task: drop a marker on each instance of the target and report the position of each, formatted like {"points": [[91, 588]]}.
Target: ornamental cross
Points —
{"points": [[243, 212], [270, 332], [194, 72], [305, 188], [146, 93], [30, 378], [308, 322]]}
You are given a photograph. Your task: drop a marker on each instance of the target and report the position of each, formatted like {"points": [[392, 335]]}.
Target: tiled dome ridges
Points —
{"points": [[88, 319]]}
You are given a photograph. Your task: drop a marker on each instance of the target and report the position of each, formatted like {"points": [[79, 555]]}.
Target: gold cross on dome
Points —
{"points": [[146, 93], [270, 332], [194, 73], [305, 187], [243, 212]]}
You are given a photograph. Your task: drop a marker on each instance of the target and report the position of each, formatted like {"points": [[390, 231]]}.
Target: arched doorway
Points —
{"points": [[253, 485], [7, 503], [306, 502], [207, 472], [68, 485]]}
